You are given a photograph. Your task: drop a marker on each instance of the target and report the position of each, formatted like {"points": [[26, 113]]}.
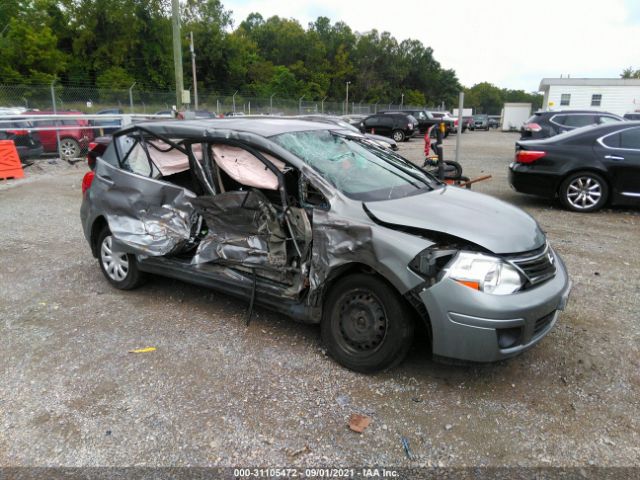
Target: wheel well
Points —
{"points": [[415, 304], [98, 225]]}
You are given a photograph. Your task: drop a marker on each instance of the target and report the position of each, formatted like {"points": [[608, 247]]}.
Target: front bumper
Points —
{"points": [[467, 324]]}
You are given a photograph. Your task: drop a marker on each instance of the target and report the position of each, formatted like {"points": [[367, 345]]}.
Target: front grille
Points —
{"points": [[543, 323], [537, 265]]}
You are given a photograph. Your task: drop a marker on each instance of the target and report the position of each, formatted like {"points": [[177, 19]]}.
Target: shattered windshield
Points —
{"points": [[355, 166]]}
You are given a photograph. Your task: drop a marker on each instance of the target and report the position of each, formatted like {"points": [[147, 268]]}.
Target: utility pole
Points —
{"points": [[401, 100], [233, 99], [193, 72], [177, 50], [300, 105], [271, 104], [346, 100], [322, 104]]}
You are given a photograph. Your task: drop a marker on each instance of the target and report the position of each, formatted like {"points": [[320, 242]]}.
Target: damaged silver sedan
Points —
{"points": [[326, 227]]}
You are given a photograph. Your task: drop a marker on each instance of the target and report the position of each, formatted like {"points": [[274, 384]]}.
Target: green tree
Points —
{"points": [[485, 97], [414, 97], [630, 73], [29, 50]]}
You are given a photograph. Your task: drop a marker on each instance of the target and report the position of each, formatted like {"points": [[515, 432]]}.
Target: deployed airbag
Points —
{"points": [[245, 168]]}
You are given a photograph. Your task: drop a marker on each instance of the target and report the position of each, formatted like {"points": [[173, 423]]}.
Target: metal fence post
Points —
{"points": [[131, 96], [55, 112]]}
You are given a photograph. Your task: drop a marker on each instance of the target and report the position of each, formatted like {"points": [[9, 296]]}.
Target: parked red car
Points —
{"points": [[73, 141]]}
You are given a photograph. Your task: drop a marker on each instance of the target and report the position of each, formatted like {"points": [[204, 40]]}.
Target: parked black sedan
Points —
{"points": [[586, 168], [27, 143]]}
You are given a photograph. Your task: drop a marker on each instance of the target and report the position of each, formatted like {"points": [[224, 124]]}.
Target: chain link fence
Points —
{"points": [[71, 138], [135, 100]]}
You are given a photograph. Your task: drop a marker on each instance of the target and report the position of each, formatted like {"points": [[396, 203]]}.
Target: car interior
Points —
{"points": [[246, 219]]}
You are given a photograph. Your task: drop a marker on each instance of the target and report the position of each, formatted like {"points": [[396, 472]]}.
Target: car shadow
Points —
{"points": [[283, 331]]}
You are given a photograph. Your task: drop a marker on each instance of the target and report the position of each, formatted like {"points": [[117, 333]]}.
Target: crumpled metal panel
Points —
{"points": [[147, 217], [337, 241], [159, 231], [243, 227]]}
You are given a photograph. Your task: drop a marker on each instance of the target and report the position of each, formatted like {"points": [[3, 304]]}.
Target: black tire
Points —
{"points": [[398, 136], [366, 326], [584, 192], [126, 278], [452, 169]]}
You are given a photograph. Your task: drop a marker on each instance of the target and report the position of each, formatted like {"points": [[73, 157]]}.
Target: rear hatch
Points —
{"points": [[19, 131], [531, 126]]}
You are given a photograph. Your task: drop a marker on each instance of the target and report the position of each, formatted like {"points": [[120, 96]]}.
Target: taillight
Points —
{"points": [[18, 132], [86, 181], [532, 127], [92, 145], [529, 156]]}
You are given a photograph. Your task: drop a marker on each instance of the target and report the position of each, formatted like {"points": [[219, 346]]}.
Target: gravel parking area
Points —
{"points": [[216, 392]]}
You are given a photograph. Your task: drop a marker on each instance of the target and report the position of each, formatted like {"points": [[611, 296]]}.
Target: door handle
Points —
{"points": [[613, 157]]}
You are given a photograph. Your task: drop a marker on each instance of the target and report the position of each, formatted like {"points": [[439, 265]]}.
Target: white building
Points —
{"points": [[615, 95]]}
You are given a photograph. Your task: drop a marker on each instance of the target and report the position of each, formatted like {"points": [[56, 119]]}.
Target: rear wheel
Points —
{"points": [[584, 192], [69, 149], [366, 326], [120, 269], [398, 135]]}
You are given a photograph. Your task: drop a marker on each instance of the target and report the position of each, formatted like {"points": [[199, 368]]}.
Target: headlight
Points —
{"points": [[484, 273]]}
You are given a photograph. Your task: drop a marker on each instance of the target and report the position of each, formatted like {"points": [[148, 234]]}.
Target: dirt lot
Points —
{"points": [[216, 392]]}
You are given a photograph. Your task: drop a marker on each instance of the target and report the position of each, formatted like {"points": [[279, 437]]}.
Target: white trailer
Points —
{"points": [[514, 115]]}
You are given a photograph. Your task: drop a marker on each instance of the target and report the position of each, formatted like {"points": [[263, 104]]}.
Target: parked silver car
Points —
{"points": [[322, 225]]}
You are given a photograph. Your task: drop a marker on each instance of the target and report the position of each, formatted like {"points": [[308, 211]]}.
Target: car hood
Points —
{"points": [[490, 223]]}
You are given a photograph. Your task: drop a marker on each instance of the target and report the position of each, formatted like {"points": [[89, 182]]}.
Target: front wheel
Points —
{"points": [[398, 135], [120, 269], [584, 192], [366, 326]]}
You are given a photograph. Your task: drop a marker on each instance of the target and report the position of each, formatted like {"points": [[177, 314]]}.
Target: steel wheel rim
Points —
{"points": [[362, 322], [69, 148], [584, 192], [116, 265]]}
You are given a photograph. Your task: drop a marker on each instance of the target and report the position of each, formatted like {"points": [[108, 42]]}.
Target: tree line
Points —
{"points": [[113, 43]]}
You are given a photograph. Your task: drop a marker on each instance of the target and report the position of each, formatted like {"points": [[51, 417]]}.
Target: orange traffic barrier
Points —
{"points": [[10, 166]]}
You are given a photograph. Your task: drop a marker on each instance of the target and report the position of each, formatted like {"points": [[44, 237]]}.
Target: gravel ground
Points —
{"points": [[216, 392]]}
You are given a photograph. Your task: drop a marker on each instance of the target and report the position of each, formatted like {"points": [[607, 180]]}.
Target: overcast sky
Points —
{"points": [[511, 43]]}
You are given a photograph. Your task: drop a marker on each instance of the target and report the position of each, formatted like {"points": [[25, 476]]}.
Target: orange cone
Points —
{"points": [[10, 166]]}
